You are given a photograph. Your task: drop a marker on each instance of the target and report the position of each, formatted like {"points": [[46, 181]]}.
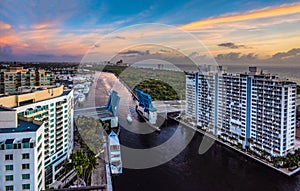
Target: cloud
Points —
{"points": [[254, 14], [42, 58], [291, 56], [5, 50], [136, 52], [119, 37], [295, 52], [236, 57], [231, 45], [232, 56]]}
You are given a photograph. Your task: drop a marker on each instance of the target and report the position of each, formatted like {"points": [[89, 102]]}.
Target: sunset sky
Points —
{"points": [[233, 31]]}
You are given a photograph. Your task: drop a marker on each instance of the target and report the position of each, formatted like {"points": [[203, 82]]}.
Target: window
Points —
{"points": [[40, 155], [25, 145], [9, 146], [39, 147], [25, 176], [9, 157], [9, 167], [9, 178], [9, 188], [25, 186], [25, 156], [39, 138], [25, 166]]}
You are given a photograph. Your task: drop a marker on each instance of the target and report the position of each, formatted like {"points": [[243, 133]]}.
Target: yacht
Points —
{"points": [[86, 90], [81, 98], [114, 154]]}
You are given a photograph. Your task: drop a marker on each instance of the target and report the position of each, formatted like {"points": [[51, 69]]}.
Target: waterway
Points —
{"points": [[220, 168]]}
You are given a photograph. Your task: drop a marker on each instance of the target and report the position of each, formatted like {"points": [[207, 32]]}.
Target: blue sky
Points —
{"points": [[36, 27]]}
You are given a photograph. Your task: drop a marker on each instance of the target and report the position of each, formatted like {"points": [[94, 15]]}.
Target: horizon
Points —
{"points": [[233, 31]]}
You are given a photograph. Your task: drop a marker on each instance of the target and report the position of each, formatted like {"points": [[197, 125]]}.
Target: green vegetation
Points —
{"points": [[117, 70], [160, 84], [174, 81], [84, 163], [158, 90], [90, 132], [290, 161], [88, 135]]}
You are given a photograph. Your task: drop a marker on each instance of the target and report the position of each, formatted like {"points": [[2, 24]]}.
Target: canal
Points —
{"points": [[220, 168]]}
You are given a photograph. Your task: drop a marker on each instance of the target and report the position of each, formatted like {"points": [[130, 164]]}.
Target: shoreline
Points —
{"points": [[280, 170]]}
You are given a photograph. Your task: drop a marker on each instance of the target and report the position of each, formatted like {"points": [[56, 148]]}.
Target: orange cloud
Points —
{"points": [[256, 14]]}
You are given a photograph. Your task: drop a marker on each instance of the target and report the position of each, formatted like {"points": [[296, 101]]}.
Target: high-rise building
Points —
{"points": [[15, 77], [254, 109], [53, 107], [21, 152]]}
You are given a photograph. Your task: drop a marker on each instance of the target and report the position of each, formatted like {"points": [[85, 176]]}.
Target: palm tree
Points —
{"points": [[250, 141], [84, 164]]}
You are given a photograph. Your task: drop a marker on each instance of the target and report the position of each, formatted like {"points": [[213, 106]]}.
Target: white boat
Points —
{"points": [[81, 98], [129, 118], [86, 90], [114, 154], [76, 94], [78, 86]]}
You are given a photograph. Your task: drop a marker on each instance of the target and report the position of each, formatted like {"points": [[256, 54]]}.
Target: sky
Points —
{"points": [[242, 31]]}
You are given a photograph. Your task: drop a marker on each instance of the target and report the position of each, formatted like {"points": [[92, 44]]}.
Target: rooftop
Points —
{"points": [[42, 94], [4, 109], [23, 126]]}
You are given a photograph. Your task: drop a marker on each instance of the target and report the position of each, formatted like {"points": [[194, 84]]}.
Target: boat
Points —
{"points": [[86, 90], [81, 98], [114, 154], [129, 118], [76, 94]]}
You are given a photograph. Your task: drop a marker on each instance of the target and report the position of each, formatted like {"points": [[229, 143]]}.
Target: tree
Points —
{"points": [[84, 164], [250, 141]]}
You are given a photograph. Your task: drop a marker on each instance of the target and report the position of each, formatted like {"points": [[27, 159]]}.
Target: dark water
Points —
{"points": [[217, 169]]}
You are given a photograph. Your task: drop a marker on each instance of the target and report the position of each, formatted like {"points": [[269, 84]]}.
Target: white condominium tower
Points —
{"points": [[21, 152], [53, 108], [254, 109]]}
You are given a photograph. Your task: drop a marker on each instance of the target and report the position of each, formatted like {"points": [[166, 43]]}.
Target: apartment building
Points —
{"points": [[255, 109], [21, 152], [53, 106], [16, 77]]}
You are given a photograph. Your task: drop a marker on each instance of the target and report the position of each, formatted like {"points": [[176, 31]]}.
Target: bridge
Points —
{"points": [[107, 113], [169, 106]]}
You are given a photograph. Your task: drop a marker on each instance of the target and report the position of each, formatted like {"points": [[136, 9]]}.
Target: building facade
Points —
{"points": [[14, 78], [54, 108], [255, 109], [21, 152]]}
